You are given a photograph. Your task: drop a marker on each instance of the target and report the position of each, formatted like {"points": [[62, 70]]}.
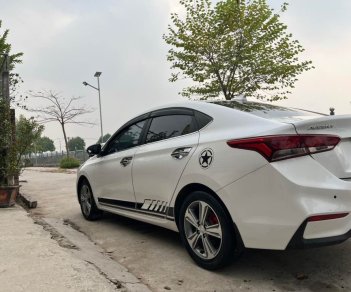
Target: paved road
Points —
{"points": [[157, 257]]}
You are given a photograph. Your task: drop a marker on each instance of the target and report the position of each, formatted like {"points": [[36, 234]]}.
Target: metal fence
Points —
{"points": [[53, 158]]}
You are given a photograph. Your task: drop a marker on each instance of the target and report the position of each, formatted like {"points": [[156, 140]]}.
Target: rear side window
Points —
{"points": [[171, 126], [202, 119]]}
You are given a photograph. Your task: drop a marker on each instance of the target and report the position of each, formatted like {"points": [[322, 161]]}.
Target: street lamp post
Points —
{"points": [[97, 75]]}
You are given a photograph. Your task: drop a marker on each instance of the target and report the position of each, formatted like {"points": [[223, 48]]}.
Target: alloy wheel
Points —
{"points": [[203, 230], [85, 199]]}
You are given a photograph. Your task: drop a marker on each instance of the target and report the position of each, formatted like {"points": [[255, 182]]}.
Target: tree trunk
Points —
{"points": [[223, 87], [65, 137]]}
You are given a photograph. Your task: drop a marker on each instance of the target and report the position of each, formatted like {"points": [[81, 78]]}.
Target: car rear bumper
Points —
{"points": [[271, 205], [298, 241]]}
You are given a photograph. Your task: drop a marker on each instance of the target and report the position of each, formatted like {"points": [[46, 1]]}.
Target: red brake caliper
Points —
{"points": [[213, 219]]}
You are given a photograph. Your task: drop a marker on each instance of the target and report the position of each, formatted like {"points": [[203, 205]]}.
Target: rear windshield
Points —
{"points": [[269, 111]]}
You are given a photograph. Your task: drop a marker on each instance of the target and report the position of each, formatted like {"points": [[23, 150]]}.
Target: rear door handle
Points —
{"points": [[180, 153], [126, 160]]}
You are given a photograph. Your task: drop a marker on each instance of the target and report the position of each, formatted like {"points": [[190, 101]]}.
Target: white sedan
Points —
{"points": [[227, 175]]}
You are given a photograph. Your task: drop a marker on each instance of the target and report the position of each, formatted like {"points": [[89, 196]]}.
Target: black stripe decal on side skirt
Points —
{"points": [[132, 207], [118, 203]]}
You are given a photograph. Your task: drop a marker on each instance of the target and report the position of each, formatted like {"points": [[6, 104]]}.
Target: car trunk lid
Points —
{"points": [[337, 161]]}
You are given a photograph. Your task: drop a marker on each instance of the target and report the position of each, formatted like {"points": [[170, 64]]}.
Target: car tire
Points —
{"points": [[87, 203], [207, 231]]}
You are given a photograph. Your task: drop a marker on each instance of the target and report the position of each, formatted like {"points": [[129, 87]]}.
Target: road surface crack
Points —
{"points": [[115, 282], [55, 235]]}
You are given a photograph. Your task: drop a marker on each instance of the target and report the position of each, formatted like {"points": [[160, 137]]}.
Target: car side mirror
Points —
{"points": [[94, 150]]}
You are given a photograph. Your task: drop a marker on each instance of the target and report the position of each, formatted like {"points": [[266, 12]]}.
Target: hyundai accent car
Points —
{"points": [[227, 175]]}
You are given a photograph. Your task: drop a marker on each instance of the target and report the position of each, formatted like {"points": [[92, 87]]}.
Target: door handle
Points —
{"points": [[126, 160], [180, 153]]}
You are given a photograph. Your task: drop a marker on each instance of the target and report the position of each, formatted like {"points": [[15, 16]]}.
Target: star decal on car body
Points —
{"points": [[206, 158]]}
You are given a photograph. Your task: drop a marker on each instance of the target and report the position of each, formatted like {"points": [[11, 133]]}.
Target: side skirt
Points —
{"points": [[159, 209]]}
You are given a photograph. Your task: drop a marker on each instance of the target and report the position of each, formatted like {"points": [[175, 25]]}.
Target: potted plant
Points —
{"points": [[8, 169], [9, 163], [16, 140]]}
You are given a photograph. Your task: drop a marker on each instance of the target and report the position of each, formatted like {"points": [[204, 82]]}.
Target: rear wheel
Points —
{"points": [[207, 231], [87, 202]]}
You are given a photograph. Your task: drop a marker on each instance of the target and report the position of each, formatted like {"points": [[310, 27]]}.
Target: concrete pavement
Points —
{"points": [[31, 261], [156, 256]]}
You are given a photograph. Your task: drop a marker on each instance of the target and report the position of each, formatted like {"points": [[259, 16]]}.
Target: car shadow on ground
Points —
{"points": [[318, 269], [168, 237]]}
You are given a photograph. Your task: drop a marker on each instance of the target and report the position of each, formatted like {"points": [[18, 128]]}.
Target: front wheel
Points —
{"points": [[207, 231], [87, 202]]}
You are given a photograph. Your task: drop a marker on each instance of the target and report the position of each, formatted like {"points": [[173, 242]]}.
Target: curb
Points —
{"points": [[27, 201], [88, 251]]}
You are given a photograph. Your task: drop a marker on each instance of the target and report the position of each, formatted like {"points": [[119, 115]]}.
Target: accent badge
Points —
{"points": [[206, 158]]}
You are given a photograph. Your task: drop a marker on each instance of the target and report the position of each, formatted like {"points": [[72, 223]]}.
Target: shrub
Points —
{"points": [[27, 162], [69, 162]]}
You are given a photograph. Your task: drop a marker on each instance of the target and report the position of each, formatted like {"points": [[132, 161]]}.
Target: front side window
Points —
{"points": [[128, 138], [166, 127]]}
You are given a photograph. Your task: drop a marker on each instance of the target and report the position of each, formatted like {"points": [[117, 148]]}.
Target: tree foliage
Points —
{"points": [[7, 153], [56, 108], [27, 132], [106, 137], [5, 48], [234, 47], [76, 143], [15, 79], [43, 144], [9, 163]]}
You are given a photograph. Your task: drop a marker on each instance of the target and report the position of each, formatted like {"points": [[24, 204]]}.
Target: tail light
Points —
{"points": [[326, 217], [275, 148]]}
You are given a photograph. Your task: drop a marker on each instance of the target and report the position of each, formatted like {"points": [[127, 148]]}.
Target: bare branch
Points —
{"points": [[82, 123], [59, 109]]}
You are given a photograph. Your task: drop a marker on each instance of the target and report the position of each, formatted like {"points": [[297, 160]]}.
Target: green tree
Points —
{"points": [[43, 144], [7, 151], [9, 166], [76, 143], [27, 132], [232, 48], [5, 49], [106, 137]]}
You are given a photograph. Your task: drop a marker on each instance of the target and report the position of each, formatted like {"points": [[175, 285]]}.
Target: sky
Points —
{"points": [[65, 42]]}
